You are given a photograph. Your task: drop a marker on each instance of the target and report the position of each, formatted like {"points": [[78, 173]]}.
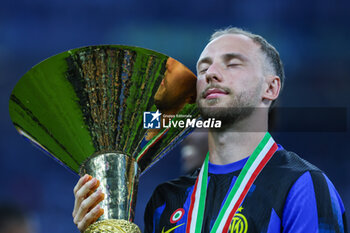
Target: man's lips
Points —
{"points": [[212, 93]]}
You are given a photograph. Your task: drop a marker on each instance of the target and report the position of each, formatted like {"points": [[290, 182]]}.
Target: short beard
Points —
{"points": [[240, 108]]}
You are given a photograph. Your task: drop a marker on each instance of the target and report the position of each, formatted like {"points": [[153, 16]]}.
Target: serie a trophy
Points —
{"points": [[97, 110]]}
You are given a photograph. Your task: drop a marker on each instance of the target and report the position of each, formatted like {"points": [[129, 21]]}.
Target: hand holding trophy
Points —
{"points": [[86, 108], [86, 209]]}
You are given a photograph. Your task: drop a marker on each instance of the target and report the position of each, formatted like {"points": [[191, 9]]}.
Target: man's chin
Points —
{"points": [[219, 113], [211, 103], [227, 115]]}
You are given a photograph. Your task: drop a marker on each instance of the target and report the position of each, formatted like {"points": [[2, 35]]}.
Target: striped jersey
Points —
{"points": [[289, 195]]}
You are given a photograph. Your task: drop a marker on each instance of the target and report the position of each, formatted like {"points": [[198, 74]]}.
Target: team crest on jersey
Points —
{"points": [[239, 223], [177, 215]]}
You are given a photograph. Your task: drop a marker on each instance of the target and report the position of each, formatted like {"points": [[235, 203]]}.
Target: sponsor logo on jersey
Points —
{"points": [[171, 229]]}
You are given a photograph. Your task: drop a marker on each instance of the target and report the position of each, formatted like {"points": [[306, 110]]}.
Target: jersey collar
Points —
{"points": [[231, 167]]}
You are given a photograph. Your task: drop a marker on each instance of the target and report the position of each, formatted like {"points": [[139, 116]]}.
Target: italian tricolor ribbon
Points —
{"points": [[256, 162]]}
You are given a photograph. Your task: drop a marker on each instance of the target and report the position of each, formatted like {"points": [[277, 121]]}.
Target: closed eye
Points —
{"points": [[233, 64], [203, 71]]}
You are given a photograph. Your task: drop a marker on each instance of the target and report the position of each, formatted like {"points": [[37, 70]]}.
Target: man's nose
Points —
{"points": [[213, 74]]}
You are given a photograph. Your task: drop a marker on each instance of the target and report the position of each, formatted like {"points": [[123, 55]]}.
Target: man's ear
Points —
{"points": [[273, 88]]}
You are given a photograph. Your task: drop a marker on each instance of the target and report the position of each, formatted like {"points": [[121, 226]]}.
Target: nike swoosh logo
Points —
{"points": [[170, 230]]}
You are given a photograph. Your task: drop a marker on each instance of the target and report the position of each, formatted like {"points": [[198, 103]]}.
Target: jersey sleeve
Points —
{"points": [[313, 205]]}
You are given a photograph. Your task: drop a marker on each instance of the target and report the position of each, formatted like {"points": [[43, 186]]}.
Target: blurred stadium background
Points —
{"points": [[312, 38]]}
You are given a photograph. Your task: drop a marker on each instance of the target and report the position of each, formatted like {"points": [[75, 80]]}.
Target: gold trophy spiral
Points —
{"points": [[85, 108]]}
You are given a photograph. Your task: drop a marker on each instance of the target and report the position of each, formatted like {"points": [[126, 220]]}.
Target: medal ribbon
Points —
{"points": [[256, 162]]}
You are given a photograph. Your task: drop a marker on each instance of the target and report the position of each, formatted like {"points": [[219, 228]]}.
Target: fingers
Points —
{"points": [[86, 188], [95, 200], [81, 182], [77, 187], [89, 210], [97, 184], [88, 204], [86, 209], [90, 218]]}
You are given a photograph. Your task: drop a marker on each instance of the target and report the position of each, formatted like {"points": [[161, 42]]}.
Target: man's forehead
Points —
{"points": [[230, 43]]}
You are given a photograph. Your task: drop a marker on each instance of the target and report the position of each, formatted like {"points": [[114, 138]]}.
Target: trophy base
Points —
{"points": [[113, 226]]}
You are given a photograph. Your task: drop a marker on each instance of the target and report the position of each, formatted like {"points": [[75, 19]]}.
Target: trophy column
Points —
{"points": [[119, 175]]}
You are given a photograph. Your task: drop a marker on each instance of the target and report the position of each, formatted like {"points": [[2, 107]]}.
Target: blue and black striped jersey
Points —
{"points": [[289, 195]]}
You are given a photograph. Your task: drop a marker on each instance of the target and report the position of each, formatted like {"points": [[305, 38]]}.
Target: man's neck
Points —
{"points": [[231, 143]]}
